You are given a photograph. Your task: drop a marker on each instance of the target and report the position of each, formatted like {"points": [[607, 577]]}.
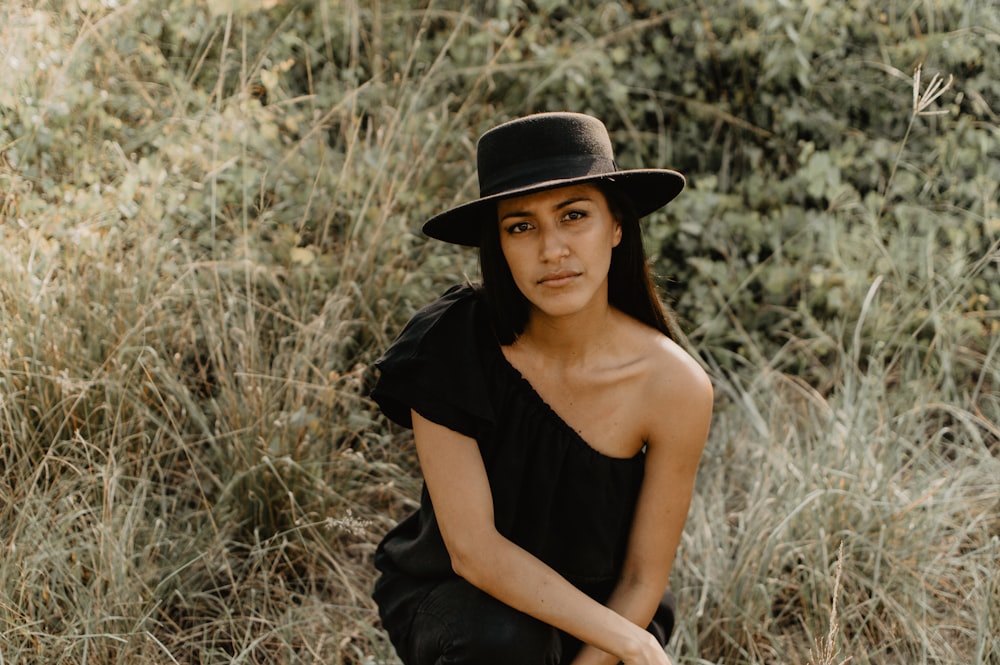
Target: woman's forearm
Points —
{"points": [[632, 601], [521, 580]]}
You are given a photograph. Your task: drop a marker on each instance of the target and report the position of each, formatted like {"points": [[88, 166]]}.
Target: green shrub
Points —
{"points": [[209, 221]]}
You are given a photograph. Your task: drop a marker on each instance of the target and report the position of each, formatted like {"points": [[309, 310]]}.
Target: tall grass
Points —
{"points": [[191, 469], [858, 521], [904, 484], [196, 277]]}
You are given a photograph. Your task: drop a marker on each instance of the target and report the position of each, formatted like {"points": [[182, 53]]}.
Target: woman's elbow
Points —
{"points": [[471, 560], [462, 567]]}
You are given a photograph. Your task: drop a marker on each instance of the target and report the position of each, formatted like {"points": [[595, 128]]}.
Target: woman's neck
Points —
{"points": [[569, 340]]}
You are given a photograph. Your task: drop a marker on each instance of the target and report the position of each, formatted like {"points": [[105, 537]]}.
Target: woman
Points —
{"points": [[558, 425]]}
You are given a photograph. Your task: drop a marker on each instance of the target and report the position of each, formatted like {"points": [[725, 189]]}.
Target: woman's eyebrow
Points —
{"points": [[569, 202], [558, 206], [515, 213]]}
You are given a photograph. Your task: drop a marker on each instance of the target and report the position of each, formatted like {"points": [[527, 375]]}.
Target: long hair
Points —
{"points": [[630, 284]]}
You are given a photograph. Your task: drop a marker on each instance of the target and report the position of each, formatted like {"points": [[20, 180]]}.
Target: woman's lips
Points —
{"points": [[559, 278]]}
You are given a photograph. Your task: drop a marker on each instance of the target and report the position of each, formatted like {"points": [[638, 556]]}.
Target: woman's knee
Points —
{"points": [[510, 637], [469, 626]]}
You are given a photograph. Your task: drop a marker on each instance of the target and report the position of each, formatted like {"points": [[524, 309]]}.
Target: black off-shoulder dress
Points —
{"points": [[553, 494]]}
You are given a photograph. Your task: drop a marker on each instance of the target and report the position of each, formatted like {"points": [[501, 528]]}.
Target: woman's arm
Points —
{"points": [[674, 446], [459, 488]]}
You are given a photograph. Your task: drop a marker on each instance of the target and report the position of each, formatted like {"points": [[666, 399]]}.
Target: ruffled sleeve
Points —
{"points": [[435, 366]]}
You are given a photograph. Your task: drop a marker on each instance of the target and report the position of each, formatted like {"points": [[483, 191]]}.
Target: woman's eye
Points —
{"points": [[574, 215], [519, 227]]}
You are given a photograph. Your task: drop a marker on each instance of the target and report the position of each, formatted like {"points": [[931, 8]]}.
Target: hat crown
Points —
{"points": [[540, 148]]}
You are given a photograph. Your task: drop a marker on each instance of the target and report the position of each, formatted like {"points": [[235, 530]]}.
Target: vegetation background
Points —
{"points": [[209, 222]]}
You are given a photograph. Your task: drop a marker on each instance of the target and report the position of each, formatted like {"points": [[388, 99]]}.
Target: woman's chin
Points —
{"points": [[560, 303]]}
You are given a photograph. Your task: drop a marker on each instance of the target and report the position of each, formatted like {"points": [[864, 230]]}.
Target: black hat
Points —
{"points": [[544, 151]]}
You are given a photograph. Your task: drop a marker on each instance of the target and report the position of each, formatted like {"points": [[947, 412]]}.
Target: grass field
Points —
{"points": [[199, 262]]}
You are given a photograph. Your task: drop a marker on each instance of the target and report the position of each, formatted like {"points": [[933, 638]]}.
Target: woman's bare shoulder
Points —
{"points": [[677, 369], [677, 391], [668, 367]]}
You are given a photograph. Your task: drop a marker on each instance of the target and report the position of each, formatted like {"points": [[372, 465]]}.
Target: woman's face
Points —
{"points": [[558, 245]]}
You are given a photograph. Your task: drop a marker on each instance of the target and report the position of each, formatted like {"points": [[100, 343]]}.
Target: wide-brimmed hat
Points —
{"points": [[545, 151]]}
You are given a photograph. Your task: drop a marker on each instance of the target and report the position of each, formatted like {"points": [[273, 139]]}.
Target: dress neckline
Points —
{"points": [[535, 396]]}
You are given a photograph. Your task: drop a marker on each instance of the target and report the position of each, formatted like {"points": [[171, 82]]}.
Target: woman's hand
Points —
{"points": [[647, 651], [644, 650]]}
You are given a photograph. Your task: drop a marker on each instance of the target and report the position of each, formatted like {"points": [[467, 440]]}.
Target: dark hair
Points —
{"points": [[630, 284]]}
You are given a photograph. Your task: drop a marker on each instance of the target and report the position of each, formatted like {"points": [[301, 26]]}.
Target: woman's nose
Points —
{"points": [[553, 244]]}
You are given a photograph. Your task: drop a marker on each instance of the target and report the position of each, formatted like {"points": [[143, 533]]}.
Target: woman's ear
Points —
{"points": [[617, 239]]}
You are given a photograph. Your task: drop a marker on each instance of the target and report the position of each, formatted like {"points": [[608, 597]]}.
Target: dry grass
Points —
{"points": [[193, 286]]}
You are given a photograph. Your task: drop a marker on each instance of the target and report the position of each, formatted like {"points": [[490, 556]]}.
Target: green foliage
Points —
{"points": [[209, 223]]}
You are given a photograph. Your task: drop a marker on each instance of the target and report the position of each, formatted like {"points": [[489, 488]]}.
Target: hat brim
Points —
{"points": [[647, 189]]}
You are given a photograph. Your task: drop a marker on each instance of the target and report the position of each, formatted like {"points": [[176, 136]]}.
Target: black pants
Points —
{"points": [[456, 623]]}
